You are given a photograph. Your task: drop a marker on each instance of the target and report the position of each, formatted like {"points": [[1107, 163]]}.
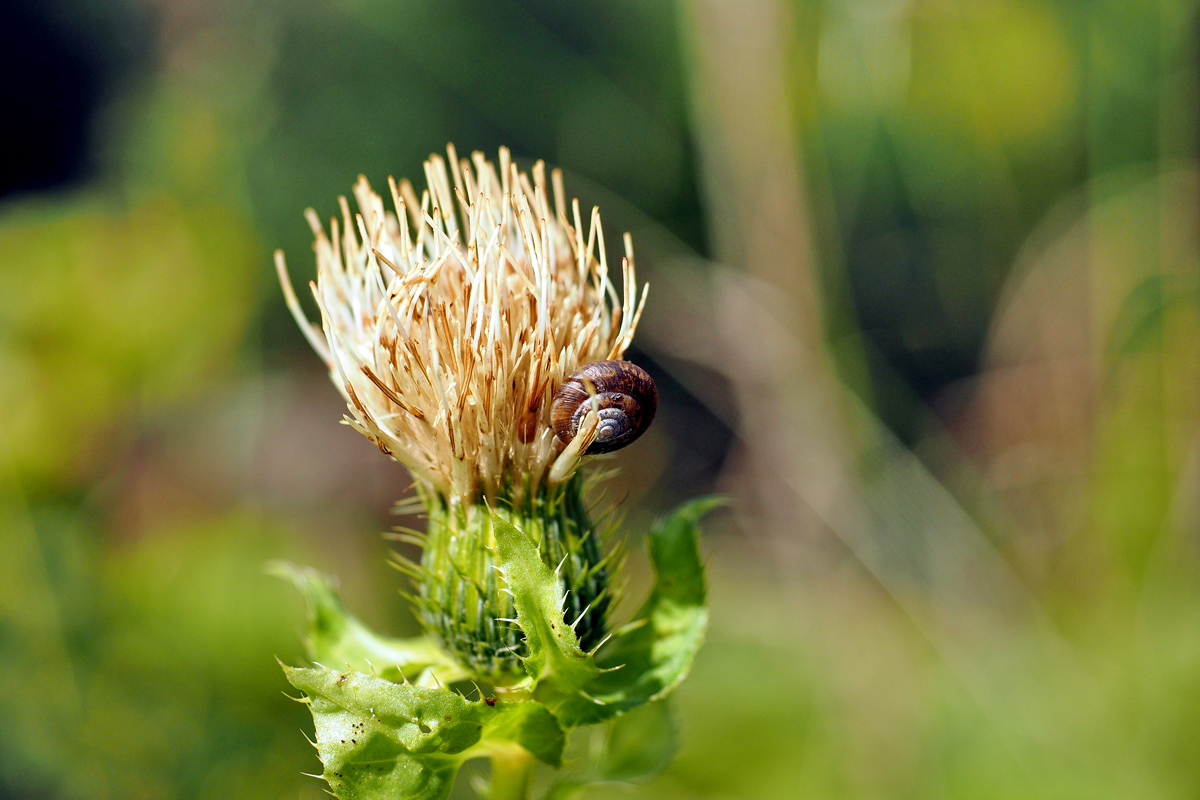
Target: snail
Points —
{"points": [[625, 401]]}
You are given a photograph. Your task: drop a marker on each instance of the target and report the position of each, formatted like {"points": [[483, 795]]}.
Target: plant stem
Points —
{"points": [[512, 770]]}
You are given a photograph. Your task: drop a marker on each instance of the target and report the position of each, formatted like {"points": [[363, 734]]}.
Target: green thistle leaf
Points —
{"points": [[558, 668], [384, 741], [336, 637], [654, 652]]}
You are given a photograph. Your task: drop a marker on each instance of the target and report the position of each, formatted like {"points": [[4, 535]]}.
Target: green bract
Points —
{"points": [[393, 722], [458, 598]]}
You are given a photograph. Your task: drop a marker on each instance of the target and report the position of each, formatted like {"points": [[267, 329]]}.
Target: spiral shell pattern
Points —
{"points": [[625, 398]]}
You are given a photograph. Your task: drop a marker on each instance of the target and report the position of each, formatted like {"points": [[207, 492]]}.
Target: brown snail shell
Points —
{"points": [[626, 400]]}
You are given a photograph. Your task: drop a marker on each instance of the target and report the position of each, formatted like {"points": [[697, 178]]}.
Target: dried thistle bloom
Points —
{"points": [[448, 325], [448, 344]]}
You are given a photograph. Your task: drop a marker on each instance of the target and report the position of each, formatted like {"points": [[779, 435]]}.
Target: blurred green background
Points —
{"points": [[926, 304]]}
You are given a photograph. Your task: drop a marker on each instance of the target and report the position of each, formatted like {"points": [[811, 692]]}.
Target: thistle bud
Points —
{"points": [[448, 323]]}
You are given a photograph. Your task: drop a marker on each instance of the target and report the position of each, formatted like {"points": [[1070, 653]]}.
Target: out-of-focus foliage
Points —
{"points": [[1004, 205], [145, 671], [104, 308]]}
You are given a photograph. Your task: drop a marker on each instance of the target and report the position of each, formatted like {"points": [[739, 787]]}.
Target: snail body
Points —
{"points": [[626, 400]]}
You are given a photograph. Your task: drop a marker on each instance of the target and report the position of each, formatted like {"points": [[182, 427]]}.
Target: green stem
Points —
{"points": [[512, 771]]}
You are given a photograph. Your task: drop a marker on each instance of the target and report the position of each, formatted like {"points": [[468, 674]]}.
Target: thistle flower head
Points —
{"points": [[449, 322]]}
